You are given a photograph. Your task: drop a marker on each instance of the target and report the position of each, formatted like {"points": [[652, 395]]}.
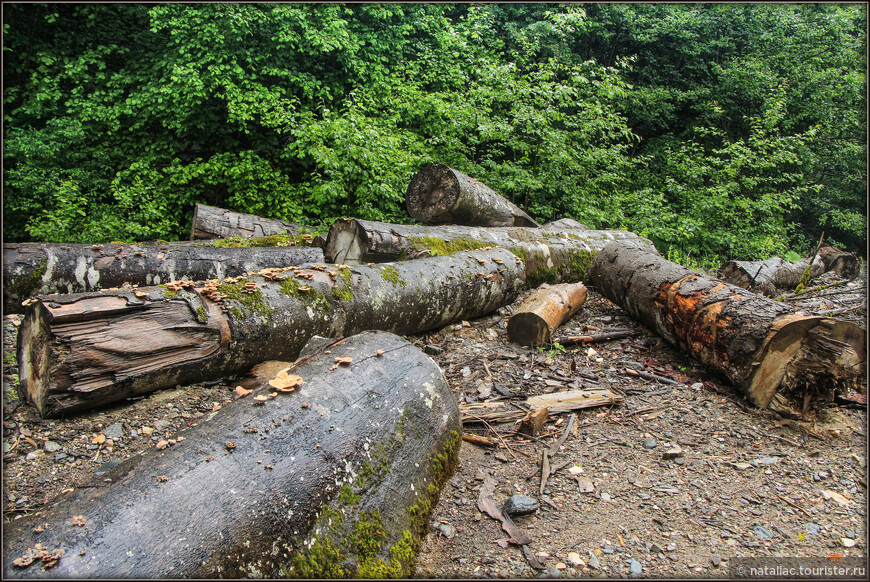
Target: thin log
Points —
{"points": [[441, 195], [533, 422], [210, 222], [766, 348], [604, 336], [284, 489], [766, 276], [36, 268], [556, 402], [548, 307], [551, 256], [82, 350]]}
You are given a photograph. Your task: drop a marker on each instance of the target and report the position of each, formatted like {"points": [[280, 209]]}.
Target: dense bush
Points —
{"points": [[736, 130]]}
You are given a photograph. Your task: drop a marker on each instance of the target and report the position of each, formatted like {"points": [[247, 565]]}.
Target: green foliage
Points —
{"points": [[716, 129]]}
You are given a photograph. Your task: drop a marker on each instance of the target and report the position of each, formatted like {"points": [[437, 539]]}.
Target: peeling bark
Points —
{"points": [[776, 355], [548, 307], [342, 485], [33, 268], [77, 351], [442, 195], [210, 222], [551, 256]]}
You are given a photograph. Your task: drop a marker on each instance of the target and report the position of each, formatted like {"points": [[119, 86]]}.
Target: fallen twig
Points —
{"points": [[558, 444], [598, 337]]}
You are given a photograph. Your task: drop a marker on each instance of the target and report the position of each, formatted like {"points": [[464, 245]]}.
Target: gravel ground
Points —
{"points": [[676, 481]]}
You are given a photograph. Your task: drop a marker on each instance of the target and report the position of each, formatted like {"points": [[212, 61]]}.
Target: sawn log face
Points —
{"points": [[30, 269], [368, 451], [81, 350], [212, 222], [766, 348]]}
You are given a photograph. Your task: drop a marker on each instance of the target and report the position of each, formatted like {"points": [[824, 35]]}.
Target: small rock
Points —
{"points": [[6, 447], [433, 350], [466, 372], [635, 568], [650, 443], [608, 549], [60, 457], [680, 460], [849, 534], [654, 548], [762, 532], [520, 505], [716, 561], [696, 386], [671, 547], [768, 460], [447, 530], [673, 453], [605, 496], [162, 425], [847, 543], [593, 562], [575, 560], [34, 455], [114, 431], [147, 430], [561, 566], [551, 572], [51, 447]]}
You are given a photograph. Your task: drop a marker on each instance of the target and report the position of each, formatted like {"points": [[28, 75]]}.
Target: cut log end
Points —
{"points": [[347, 243], [34, 356], [432, 194], [806, 362], [528, 329]]}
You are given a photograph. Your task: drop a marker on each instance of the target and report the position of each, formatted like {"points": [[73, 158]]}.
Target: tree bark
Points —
{"points": [[773, 353], [442, 195], [551, 256], [210, 222], [548, 307], [82, 350], [337, 478], [766, 276], [33, 268]]}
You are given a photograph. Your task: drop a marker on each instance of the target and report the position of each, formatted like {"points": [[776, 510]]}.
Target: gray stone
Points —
{"points": [[551, 572], [162, 425], [520, 505], [813, 528], [51, 447], [607, 549], [635, 568], [768, 460], [716, 561], [593, 562], [448, 530], [654, 548], [60, 457], [762, 532], [650, 443], [114, 431]]}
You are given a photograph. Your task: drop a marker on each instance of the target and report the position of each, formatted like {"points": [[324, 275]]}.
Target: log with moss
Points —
{"points": [[77, 351], [336, 478], [551, 256], [210, 222], [777, 356], [545, 309], [441, 195], [767, 276], [33, 268]]}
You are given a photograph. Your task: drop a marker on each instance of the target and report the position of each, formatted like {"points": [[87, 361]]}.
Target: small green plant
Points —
{"points": [[554, 350]]}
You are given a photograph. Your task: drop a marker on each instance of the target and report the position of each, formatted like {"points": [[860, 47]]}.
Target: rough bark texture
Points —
{"points": [[33, 268], [211, 222], [442, 195], [81, 350], [551, 256], [765, 276], [548, 307], [775, 354], [341, 487]]}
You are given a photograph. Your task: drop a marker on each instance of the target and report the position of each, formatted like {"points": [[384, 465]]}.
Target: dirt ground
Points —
{"points": [[675, 481]]}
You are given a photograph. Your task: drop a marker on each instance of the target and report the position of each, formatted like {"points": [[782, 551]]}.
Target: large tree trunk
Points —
{"points": [[766, 276], [211, 222], [775, 354], [33, 268], [442, 195], [548, 307], [337, 478], [551, 256], [81, 350]]}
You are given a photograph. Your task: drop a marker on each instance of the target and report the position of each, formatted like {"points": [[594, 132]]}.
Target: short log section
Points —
{"points": [[211, 222], [442, 195], [778, 356], [551, 256], [78, 351], [334, 479], [33, 268], [548, 307]]}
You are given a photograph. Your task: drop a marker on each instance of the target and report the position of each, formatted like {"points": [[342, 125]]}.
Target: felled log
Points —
{"points": [[334, 479], [765, 276], [548, 307], [766, 348], [210, 222], [33, 268], [77, 351], [551, 256], [442, 195]]}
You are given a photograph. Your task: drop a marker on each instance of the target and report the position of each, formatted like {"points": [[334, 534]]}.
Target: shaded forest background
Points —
{"points": [[729, 130]]}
